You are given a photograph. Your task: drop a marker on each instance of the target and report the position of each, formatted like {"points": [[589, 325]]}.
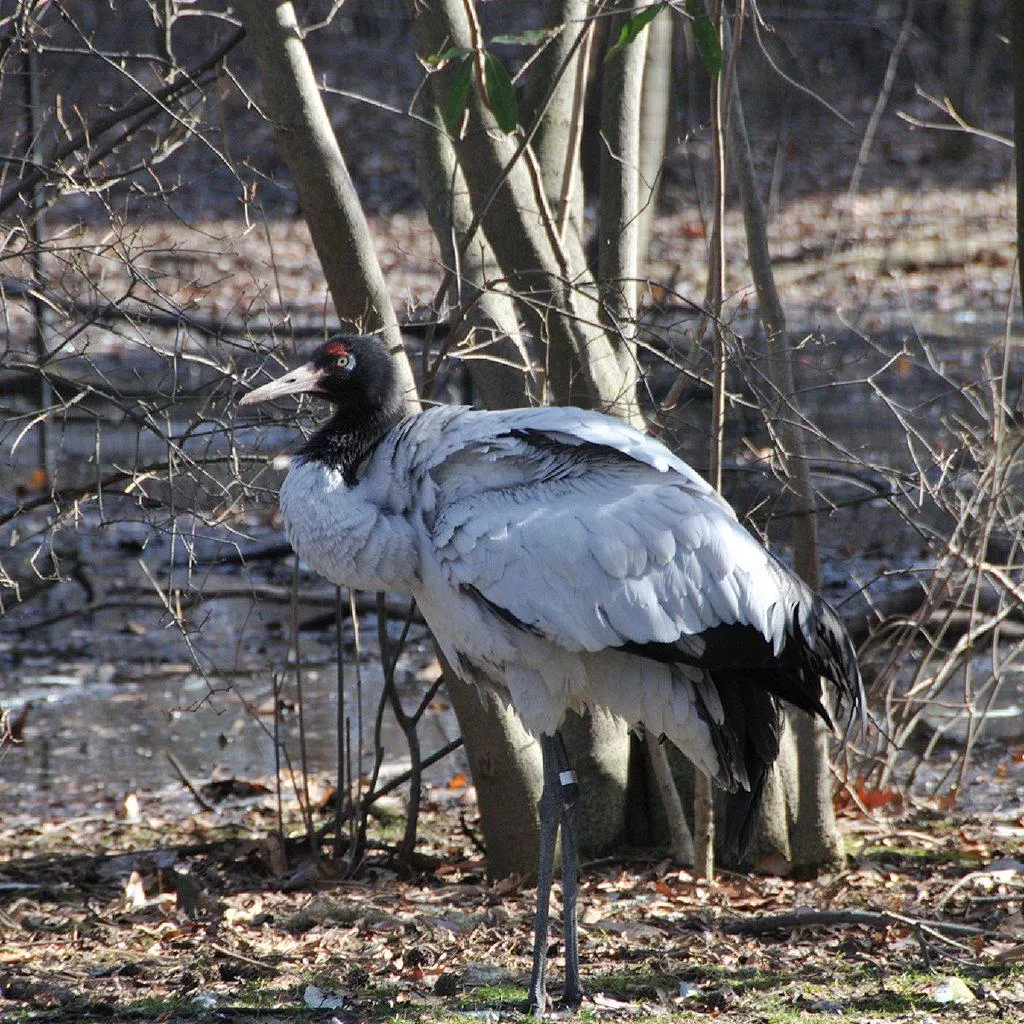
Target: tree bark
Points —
{"points": [[500, 368], [556, 142], [598, 747], [655, 117], [505, 763], [704, 797], [680, 837], [814, 841], [618, 226], [1017, 59], [331, 207], [508, 196]]}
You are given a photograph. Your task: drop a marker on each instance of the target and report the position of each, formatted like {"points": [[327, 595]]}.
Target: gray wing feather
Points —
{"points": [[607, 558]]}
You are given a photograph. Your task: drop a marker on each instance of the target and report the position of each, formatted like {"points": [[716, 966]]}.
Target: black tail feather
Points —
{"points": [[754, 684], [743, 815], [753, 715]]}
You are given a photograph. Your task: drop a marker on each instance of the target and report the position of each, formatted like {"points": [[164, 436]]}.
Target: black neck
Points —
{"points": [[342, 443]]}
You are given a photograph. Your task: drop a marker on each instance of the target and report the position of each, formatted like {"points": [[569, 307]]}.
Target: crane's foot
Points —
{"points": [[540, 1003]]}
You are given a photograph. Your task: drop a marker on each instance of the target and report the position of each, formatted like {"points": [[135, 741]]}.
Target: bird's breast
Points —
{"points": [[347, 533]]}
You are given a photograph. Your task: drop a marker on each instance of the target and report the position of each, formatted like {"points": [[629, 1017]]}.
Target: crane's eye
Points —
{"points": [[336, 355]]}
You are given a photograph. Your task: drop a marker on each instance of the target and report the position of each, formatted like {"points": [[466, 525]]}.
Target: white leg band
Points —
{"points": [[567, 778]]}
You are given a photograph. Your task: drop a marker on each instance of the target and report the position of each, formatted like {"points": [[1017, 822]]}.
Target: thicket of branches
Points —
{"points": [[155, 261]]}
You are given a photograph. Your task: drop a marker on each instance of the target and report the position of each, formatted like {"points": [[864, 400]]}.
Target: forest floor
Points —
{"points": [[119, 903], [204, 916]]}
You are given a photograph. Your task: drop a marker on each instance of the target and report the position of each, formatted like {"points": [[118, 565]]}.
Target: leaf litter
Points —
{"points": [[98, 917]]}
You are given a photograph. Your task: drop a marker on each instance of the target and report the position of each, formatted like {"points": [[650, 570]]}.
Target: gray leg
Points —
{"points": [[550, 808], [558, 803], [570, 793]]}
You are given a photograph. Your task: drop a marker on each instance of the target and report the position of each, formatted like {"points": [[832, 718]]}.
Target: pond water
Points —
{"points": [[98, 730]]}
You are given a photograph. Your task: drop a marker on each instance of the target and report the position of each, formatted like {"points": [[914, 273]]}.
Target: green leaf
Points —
{"points": [[704, 34], [436, 61], [635, 26], [531, 37], [501, 94], [458, 92]]}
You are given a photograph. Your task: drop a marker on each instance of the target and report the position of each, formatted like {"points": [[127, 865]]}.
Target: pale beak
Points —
{"points": [[296, 382]]}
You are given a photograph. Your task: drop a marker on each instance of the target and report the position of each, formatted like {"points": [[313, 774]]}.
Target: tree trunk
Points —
{"points": [[655, 117], [336, 221], [704, 798], [598, 747], [1017, 57], [814, 841], [598, 744], [508, 197], [504, 760], [556, 142], [618, 227], [500, 365], [680, 837]]}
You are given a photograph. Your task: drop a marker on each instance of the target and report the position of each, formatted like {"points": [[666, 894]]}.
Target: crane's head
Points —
{"points": [[353, 372]]}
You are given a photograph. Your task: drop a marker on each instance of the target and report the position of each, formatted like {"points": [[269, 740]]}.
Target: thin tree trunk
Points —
{"points": [[1017, 57], [500, 365], [505, 763], [598, 748], [621, 198], [556, 142], [335, 217], [703, 797], [37, 234], [508, 195], [618, 229], [655, 116], [680, 838], [814, 841]]}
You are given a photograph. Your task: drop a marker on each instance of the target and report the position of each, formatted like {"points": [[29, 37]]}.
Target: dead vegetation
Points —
{"points": [[149, 919]]}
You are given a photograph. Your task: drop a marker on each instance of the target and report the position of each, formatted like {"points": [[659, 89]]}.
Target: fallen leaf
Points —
{"points": [[873, 798], [134, 891], [952, 990], [603, 1002], [132, 809], [320, 999]]}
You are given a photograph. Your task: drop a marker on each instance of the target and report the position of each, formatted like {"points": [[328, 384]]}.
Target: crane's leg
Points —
{"points": [[549, 808], [569, 791], [557, 804]]}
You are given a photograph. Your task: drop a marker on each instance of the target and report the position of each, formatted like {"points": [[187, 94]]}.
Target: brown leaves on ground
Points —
{"points": [[186, 916]]}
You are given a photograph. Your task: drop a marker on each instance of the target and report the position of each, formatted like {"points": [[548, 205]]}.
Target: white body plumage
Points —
{"points": [[543, 547]]}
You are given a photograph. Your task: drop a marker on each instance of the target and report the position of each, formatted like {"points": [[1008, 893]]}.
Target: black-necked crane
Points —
{"points": [[564, 560]]}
